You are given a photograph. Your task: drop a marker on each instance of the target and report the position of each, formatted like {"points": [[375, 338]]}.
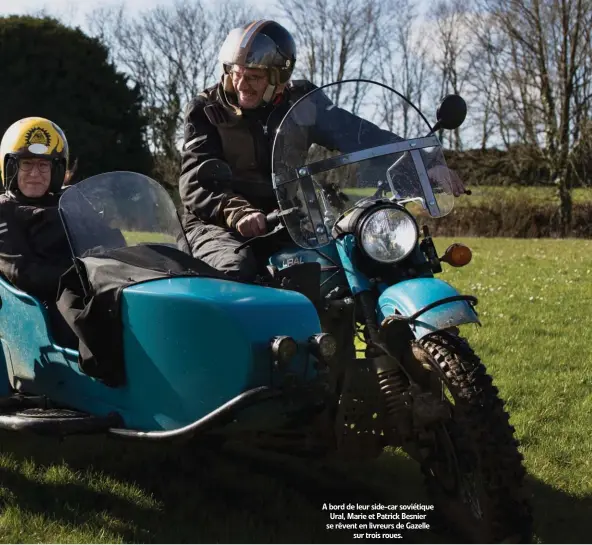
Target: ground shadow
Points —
{"points": [[560, 517], [237, 495]]}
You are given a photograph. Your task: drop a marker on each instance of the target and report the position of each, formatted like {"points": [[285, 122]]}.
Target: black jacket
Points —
{"points": [[202, 141], [34, 250], [207, 201]]}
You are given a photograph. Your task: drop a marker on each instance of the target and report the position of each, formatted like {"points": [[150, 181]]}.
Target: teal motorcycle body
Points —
{"points": [[177, 376]]}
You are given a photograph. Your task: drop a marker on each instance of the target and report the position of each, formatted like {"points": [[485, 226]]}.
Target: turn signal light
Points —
{"points": [[457, 255]]}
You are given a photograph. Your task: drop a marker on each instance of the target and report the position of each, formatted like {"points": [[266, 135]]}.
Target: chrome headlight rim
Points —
{"points": [[367, 216]]}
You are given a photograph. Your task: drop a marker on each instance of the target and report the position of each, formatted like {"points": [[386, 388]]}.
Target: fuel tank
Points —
{"points": [[332, 274]]}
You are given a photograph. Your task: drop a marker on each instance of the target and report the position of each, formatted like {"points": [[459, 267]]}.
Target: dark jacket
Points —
{"points": [[244, 140], [34, 250], [203, 140]]}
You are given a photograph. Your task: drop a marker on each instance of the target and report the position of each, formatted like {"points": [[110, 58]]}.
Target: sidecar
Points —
{"points": [[194, 351]]}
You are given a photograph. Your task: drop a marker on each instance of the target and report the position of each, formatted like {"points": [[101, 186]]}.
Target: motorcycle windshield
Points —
{"points": [[116, 210], [345, 141]]}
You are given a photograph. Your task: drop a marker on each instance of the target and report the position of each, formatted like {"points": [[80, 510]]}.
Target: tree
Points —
{"points": [[337, 40], [404, 68], [454, 54], [57, 72], [171, 54], [543, 49]]}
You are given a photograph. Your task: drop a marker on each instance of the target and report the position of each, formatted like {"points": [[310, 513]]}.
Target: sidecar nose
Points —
{"points": [[193, 343]]}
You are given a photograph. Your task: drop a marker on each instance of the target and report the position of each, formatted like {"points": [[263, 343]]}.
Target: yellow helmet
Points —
{"points": [[33, 137]]}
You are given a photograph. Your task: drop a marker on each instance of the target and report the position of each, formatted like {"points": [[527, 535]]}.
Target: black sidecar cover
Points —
{"points": [[89, 298]]}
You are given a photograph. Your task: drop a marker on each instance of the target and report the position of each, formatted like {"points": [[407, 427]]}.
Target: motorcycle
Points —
{"points": [[351, 194], [153, 361]]}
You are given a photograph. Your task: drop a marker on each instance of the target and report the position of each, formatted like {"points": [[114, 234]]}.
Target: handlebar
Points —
{"points": [[272, 218]]}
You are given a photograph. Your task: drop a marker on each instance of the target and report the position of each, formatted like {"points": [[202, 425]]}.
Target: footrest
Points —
{"points": [[14, 402], [57, 421]]}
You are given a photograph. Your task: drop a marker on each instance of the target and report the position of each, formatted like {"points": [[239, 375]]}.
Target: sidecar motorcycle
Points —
{"points": [[345, 346]]}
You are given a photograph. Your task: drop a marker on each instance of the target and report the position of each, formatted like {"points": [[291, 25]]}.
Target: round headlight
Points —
{"points": [[324, 345], [388, 234], [283, 349]]}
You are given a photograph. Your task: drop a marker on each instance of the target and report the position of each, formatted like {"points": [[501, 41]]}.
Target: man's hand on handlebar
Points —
{"points": [[257, 224], [439, 174], [252, 225]]}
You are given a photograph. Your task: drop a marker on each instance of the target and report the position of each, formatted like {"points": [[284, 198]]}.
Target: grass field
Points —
{"points": [[536, 340]]}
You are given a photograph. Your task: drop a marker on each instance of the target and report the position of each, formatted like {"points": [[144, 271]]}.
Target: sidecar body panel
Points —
{"points": [[410, 296], [190, 345], [27, 346], [216, 337]]}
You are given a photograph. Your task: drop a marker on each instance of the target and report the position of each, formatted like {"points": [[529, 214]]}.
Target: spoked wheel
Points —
{"points": [[472, 466]]}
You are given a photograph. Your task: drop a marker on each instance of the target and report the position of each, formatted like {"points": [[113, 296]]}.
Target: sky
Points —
{"points": [[73, 12]]}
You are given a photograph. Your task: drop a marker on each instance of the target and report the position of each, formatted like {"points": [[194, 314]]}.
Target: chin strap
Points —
{"points": [[272, 87], [10, 173], [18, 196], [269, 94]]}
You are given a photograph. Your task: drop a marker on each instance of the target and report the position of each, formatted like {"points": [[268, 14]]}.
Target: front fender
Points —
{"points": [[409, 297]]}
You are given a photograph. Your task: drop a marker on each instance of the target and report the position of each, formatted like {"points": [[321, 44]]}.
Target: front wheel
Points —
{"points": [[472, 466]]}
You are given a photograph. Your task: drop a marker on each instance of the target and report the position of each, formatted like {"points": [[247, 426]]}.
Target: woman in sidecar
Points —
{"points": [[34, 250]]}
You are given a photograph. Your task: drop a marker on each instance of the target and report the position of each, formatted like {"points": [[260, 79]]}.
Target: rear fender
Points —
{"points": [[433, 304]]}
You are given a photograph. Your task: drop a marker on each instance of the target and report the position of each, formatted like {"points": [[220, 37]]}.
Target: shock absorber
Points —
{"points": [[392, 381], [395, 391], [394, 388]]}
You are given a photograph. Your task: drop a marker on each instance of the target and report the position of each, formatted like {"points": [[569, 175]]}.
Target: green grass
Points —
{"points": [[536, 341], [139, 237], [480, 194]]}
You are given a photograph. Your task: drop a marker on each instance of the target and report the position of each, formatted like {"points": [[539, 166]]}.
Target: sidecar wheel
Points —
{"points": [[474, 472]]}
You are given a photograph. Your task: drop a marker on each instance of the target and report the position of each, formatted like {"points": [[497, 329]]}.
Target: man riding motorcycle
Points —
{"points": [[235, 121]]}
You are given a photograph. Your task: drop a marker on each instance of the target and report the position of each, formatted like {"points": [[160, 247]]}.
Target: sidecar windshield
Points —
{"points": [[354, 140], [119, 209]]}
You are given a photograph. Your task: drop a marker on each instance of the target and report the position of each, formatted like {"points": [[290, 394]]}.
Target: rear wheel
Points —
{"points": [[472, 466]]}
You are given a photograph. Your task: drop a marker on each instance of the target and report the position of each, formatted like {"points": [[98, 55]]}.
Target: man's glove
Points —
{"points": [[439, 174]]}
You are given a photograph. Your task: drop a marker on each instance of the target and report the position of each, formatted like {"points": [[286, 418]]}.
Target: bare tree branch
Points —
{"points": [[172, 54], [548, 43]]}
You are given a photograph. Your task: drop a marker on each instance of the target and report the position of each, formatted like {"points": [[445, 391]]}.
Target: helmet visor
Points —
{"points": [[252, 50]]}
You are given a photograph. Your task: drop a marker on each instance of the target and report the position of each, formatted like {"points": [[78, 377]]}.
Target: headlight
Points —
{"points": [[323, 345], [283, 349], [388, 234]]}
